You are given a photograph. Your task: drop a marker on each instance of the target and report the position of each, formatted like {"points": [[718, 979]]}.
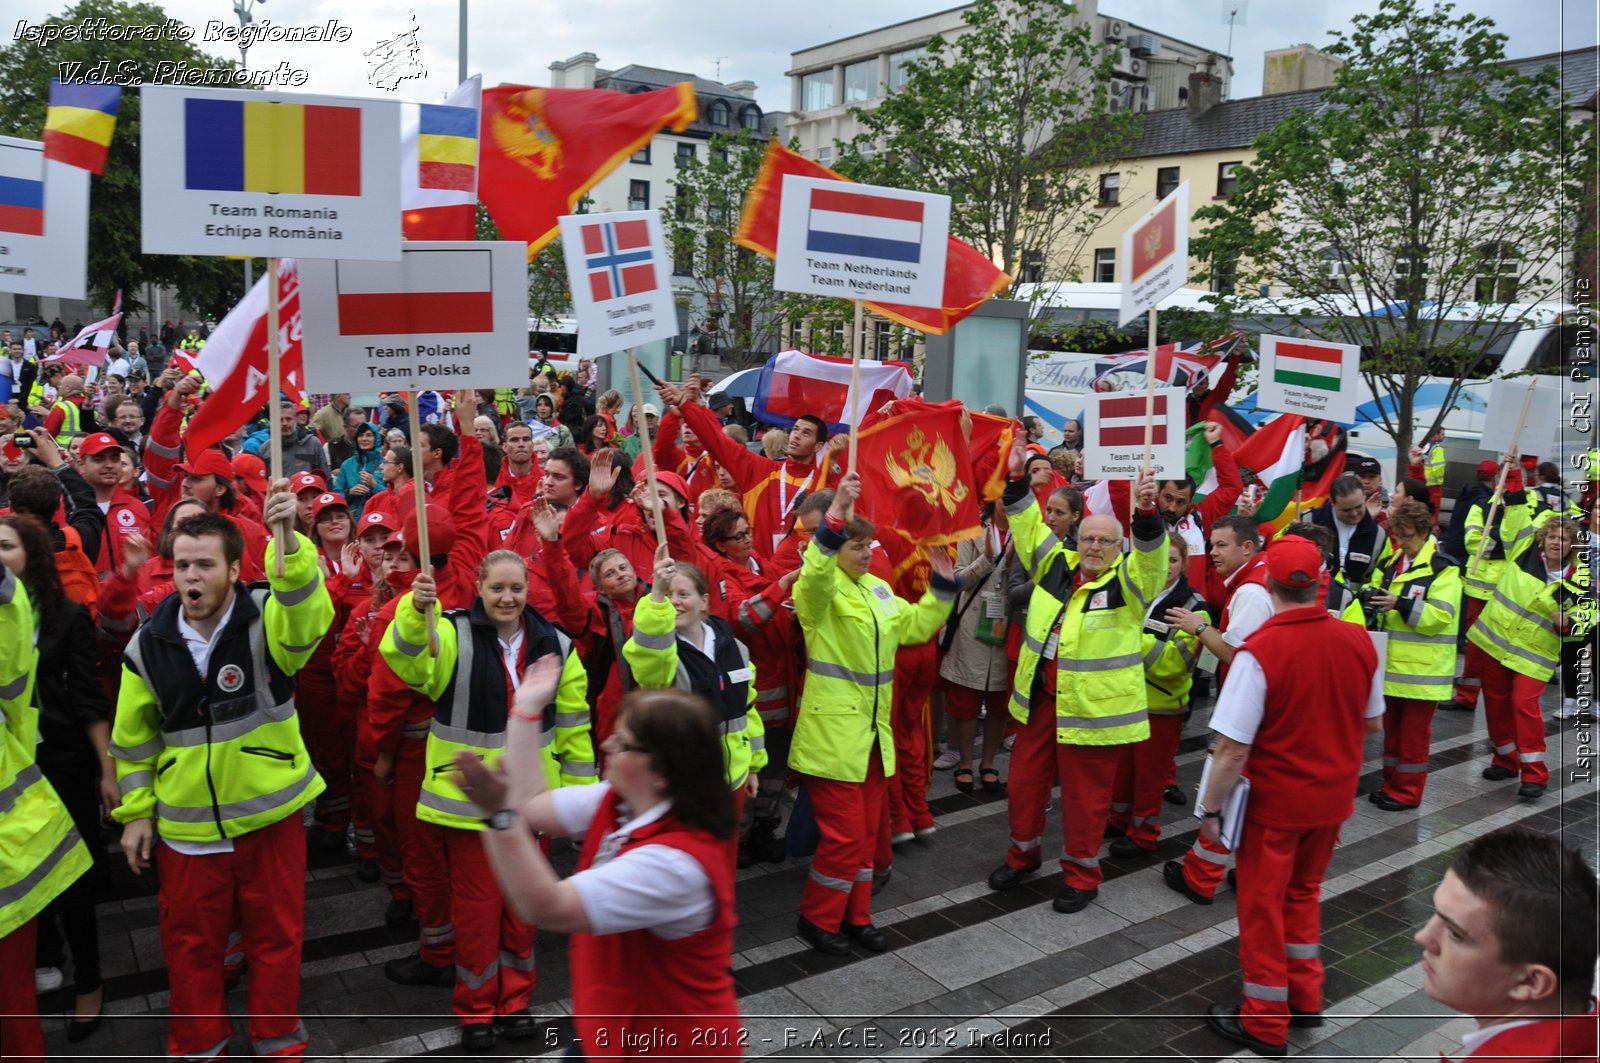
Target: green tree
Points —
{"points": [[1430, 174], [209, 284], [1011, 119], [549, 297]]}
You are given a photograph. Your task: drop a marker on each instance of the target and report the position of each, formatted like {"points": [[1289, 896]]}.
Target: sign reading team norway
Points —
{"points": [[1309, 377], [44, 222], [855, 241], [1155, 255], [1113, 434], [269, 174], [617, 273], [446, 315]]}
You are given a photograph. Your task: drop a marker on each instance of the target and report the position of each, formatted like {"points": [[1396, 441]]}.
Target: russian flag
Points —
{"points": [[871, 226], [22, 206], [794, 383], [426, 293], [1122, 422]]}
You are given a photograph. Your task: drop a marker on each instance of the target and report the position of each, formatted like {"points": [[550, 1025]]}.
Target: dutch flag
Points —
{"points": [[870, 226]]}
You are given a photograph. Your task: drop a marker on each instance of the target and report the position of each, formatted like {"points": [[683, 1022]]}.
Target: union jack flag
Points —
{"points": [[1179, 365]]}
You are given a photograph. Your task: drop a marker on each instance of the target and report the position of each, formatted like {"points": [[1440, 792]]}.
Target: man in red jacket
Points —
{"points": [[1512, 943], [1302, 694]]}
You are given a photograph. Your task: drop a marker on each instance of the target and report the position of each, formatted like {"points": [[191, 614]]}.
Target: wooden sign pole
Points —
{"points": [[1500, 484], [645, 446], [274, 386]]}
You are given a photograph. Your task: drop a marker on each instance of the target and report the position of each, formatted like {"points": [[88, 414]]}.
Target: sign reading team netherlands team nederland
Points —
{"points": [[855, 241], [1155, 255], [44, 222], [1309, 377], [1113, 434], [448, 314], [268, 174], [617, 273]]}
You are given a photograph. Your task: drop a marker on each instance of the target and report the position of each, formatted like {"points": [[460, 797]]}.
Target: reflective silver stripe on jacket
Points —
{"points": [[1087, 723], [825, 670]]}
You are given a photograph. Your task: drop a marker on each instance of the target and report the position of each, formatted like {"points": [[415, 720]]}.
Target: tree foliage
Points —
{"points": [[209, 284], [1011, 120], [1430, 175]]}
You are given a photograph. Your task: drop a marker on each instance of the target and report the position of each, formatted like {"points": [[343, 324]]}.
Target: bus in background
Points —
{"points": [[556, 340]]}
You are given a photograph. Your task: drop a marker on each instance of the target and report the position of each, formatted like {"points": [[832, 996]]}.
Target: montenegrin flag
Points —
{"points": [[234, 362], [295, 148], [969, 277], [80, 121], [439, 167], [917, 477]]}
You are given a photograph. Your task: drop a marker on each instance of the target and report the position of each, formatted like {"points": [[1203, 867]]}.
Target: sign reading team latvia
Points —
{"points": [[855, 241], [1309, 377], [44, 222], [1155, 255], [446, 315], [269, 174], [617, 273], [1113, 434]]}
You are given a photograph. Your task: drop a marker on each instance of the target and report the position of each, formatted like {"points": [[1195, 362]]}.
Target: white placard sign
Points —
{"points": [[1155, 255], [44, 223], [1538, 430], [448, 314], [1113, 434], [1309, 377], [620, 281], [855, 241], [225, 172]]}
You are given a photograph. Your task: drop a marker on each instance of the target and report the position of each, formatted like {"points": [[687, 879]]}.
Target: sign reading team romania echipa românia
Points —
{"points": [[1155, 255], [269, 174], [1309, 377], [855, 241]]}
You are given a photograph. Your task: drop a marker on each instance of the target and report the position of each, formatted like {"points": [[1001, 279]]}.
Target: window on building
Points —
{"points": [[816, 91], [638, 195], [1411, 274], [898, 72], [1335, 270], [825, 155], [1032, 266], [1110, 186], [642, 155], [1167, 181], [1499, 262], [1105, 265], [685, 154], [861, 81], [1227, 182], [683, 261], [750, 118], [1224, 272], [719, 114]]}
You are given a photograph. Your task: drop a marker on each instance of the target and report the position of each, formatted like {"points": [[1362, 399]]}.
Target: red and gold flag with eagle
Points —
{"points": [[917, 479], [542, 149]]}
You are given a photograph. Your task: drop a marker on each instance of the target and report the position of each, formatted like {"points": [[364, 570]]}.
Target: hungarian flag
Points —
{"points": [[969, 277], [1276, 456], [542, 149], [89, 346], [234, 362], [439, 167], [79, 122], [794, 383], [917, 479]]}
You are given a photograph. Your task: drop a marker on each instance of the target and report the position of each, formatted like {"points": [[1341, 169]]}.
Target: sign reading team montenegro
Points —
{"points": [[1309, 377], [855, 241], [1155, 255], [446, 315], [1113, 434], [617, 273], [269, 174], [44, 222]]}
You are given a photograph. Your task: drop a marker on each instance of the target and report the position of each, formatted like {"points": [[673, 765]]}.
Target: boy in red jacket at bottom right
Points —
{"points": [[1512, 943]]}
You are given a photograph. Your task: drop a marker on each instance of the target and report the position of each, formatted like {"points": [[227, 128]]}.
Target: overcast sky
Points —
{"points": [[516, 40]]}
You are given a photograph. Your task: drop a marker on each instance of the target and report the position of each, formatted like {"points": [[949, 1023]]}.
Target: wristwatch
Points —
{"points": [[1201, 630], [1200, 812], [501, 820]]}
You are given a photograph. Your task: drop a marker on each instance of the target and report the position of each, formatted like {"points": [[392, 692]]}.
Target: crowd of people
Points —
{"points": [[558, 643]]}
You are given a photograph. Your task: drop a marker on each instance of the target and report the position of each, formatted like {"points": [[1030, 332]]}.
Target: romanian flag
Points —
{"points": [[22, 206], [447, 147], [544, 148], [299, 148], [969, 278], [79, 123]]}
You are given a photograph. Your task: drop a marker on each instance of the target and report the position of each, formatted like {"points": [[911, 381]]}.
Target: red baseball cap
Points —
{"points": [[375, 520], [1514, 480], [208, 463], [1294, 562], [98, 443], [1487, 468], [306, 481], [251, 471], [327, 500], [674, 481]]}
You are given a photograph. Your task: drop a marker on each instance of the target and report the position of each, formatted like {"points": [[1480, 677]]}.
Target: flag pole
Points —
{"points": [[274, 387], [855, 393], [1149, 413], [419, 497], [644, 445], [1500, 484]]}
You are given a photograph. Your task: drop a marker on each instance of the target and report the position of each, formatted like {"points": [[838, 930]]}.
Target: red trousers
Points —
{"points": [[1470, 683], [265, 877], [916, 673], [493, 948], [1142, 775], [375, 805], [1205, 865], [1280, 923], [1407, 736], [1516, 723], [21, 1034], [423, 866], [849, 820], [329, 729], [1087, 773], [1034, 773]]}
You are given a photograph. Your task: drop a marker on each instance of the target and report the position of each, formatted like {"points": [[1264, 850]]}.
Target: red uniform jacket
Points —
{"points": [[1567, 1040]]}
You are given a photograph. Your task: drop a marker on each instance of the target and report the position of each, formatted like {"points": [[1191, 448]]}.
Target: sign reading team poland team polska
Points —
{"points": [[225, 172], [448, 314], [1309, 377], [1155, 255], [1113, 434], [44, 222], [855, 241], [620, 283]]}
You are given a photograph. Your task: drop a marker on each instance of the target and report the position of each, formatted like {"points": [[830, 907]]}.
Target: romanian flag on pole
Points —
{"points": [[80, 121], [439, 167], [542, 149], [969, 278]]}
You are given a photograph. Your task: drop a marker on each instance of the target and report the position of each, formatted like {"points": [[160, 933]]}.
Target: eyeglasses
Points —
{"points": [[1098, 540], [740, 537]]}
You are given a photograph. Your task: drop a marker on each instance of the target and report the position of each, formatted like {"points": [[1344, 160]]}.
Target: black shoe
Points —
{"points": [[1225, 1022], [764, 846], [399, 913], [1452, 705], [1006, 877], [989, 778], [744, 859], [518, 1027], [1389, 804], [1127, 847], [332, 843], [367, 870], [414, 970], [1071, 899], [1495, 773], [1531, 789], [1110, 832], [1174, 796], [1172, 875], [1305, 1020], [866, 935], [881, 879], [230, 982], [1233, 879], [478, 1037], [78, 1032], [824, 942]]}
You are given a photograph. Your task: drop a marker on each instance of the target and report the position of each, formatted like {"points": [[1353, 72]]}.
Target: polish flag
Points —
{"points": [[794, 383], [234, 362], [1122, 422], [428, 291]]}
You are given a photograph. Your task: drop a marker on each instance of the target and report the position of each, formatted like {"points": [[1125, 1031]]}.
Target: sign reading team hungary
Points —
{"points": [[855, 241], [448, 314], [1309, 377], [269, 174]]}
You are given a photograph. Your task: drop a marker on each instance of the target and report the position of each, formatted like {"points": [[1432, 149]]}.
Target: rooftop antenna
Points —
{"points": [[1234, 13], [718, 60]]}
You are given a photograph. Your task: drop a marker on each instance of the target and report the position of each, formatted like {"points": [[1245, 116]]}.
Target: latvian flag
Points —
{"points": [[853, 223], [427, 292], [1307, 365], [1122, 421], [89, 346]]}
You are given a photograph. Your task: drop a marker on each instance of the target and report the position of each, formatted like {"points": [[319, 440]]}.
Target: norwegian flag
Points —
{"points": [[89, 346], [1179, 365], [617, 257]]}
